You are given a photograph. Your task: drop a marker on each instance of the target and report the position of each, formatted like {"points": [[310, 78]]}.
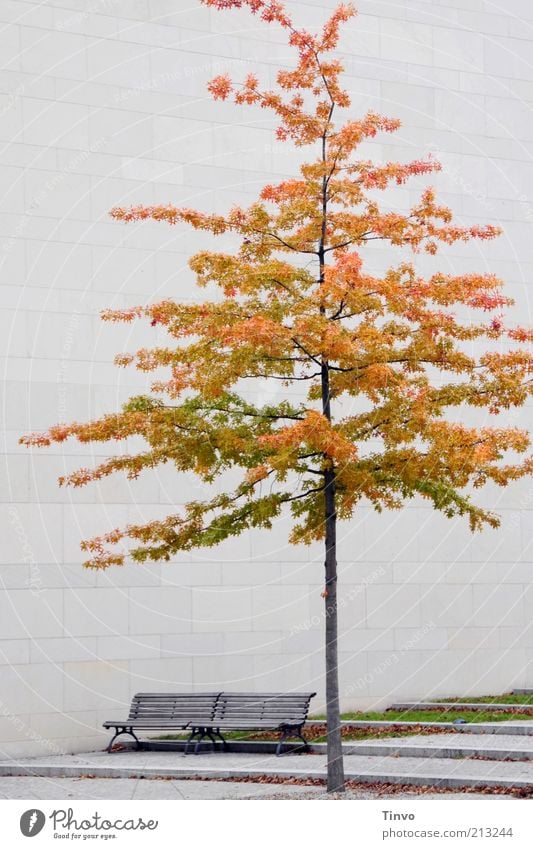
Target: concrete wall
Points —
{"points": [[104, 103]]}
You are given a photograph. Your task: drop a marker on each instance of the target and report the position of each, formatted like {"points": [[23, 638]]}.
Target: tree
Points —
{"points": [[297, 306]]}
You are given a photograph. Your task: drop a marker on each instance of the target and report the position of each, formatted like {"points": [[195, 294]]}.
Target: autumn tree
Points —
{"points": [[296, 305]]}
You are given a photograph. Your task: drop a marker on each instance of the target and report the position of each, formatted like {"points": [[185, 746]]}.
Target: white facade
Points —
{"points": [[104, 103]]}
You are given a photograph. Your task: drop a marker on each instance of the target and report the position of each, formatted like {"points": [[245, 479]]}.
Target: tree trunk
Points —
{"points": [[334, 744], [334, 739]]}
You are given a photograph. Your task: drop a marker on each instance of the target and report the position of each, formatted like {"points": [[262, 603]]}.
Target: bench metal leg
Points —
{"points": [[193, 734], [123, 729], [209, 733], [291, 731], [200, 736], [199, 732], [216, 732]]}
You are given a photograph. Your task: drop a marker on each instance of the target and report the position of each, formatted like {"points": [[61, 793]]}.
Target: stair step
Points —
{"points": [[435, 772], [447, 746]]}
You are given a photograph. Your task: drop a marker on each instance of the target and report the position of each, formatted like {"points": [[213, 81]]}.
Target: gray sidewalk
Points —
{"points": [[138, 788], [447, 772], [180, 790]]}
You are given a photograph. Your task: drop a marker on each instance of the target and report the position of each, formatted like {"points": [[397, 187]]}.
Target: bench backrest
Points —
{"points": [[263, 707], [211, 708], [177, 707]]}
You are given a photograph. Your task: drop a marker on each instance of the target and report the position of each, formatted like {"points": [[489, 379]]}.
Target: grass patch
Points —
{"points": [[315, 734]]}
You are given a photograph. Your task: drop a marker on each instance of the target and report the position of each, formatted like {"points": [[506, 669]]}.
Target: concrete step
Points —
{"points": [[436, 772], [478, 706], [522, 692], [497, 747], [440, 772]]}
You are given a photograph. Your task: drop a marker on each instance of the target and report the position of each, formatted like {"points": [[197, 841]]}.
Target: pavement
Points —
{"points": [[467, 769], [135, 788], [178, 790]]}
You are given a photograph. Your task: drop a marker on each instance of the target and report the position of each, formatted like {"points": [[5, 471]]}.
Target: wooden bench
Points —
{"points": [[208, 714]]}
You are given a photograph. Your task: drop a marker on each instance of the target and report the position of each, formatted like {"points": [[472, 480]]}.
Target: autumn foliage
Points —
{"points": [[404, 355]]}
